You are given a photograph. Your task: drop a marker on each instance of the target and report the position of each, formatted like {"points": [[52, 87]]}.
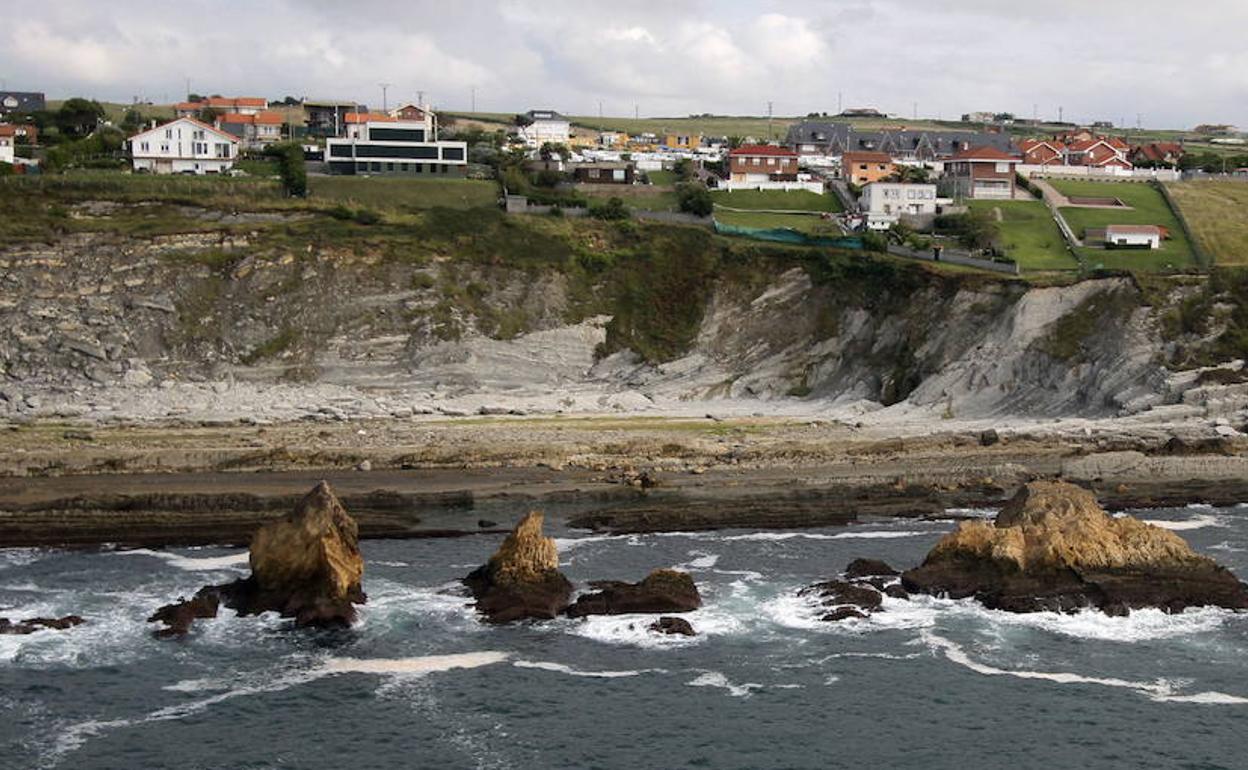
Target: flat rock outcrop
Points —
{"points": [[1052, 547], [307, 567], [522, 579], [672, 627], [31, 625], [662, 591]]}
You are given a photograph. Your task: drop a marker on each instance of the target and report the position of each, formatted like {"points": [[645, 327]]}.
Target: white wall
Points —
{"points": [[898, 198], [7, 153], [1160, 174], [539, 132], [183, 145]]}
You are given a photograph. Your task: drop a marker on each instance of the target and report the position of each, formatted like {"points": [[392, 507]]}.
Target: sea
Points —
{"points": [[421, 682]]}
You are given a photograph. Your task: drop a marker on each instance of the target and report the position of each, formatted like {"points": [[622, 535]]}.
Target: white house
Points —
{"points": [[885, 202], [1133, 237], [183, 145], [545, 126], [8, 138]]}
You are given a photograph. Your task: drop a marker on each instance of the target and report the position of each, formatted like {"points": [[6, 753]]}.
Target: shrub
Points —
{"points": [[367, 217], [291, 168], [695, 199], [613, 208]]}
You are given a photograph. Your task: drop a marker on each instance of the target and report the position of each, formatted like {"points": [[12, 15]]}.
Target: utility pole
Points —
{"points": [[915, 110], [384, 87], [1035, 113], [188, 89], [600, 109], [839, 106], [769, 121], [474, 98], [636, 112], [1061, 114], [420, 99]]}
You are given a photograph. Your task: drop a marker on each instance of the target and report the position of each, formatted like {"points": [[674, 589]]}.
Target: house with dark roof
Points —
{"points": [[544, 126], [982, 172], [1157, 154], [813, 137], [23, 102]]}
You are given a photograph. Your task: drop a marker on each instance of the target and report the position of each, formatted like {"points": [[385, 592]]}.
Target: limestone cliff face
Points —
{"points": [[526, 554], [168, 321], [1053, 547]]}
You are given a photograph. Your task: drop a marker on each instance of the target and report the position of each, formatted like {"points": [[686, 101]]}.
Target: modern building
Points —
{"points": [[884, 203], [604, 172], [395, 147], [328, 118], [682, 141], [183, 146], [982, 173], [863, 168], [22, 102], [755, 163], [545, 126]]}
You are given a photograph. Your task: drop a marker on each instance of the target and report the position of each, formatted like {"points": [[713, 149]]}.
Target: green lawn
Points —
{"points": [[662, 177], [1029, 235], [1148, 207], [394, 193], [777, 200], [806, 223], [1218, 215]]}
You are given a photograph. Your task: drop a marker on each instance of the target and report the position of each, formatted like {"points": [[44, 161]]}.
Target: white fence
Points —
{"points": [[1095, 172], [812, 186]]}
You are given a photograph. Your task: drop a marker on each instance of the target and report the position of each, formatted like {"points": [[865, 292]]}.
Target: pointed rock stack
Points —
{"points": [[307, 567], [522, 580], [1053, 548]]}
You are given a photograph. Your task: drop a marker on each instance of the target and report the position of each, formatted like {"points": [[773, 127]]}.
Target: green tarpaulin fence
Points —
{"points": [[787, 235]]}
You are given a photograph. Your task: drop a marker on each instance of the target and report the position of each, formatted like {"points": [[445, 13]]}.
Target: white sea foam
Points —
{"points": [[852, 535], [72, 737], [234, 561], [1159, 690], [716, 679], [563, 669], [702, 561], [1196, 522], [424, 665], [20, 557], [634, 631], [973, 513]]}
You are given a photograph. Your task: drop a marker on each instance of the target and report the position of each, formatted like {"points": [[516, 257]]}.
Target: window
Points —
{"points": [[168, 133], [771, 161], [143, 146], [420, 167], [390, 166], [1003, 168], [758, 161], [164, 147], [361, 167], [376, 165], [593, 173]]}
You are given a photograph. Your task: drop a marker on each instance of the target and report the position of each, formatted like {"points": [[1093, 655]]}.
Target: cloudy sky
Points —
{"points": [[1173, 64]]}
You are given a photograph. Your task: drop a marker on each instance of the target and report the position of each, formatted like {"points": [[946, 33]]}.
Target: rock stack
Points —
{"points": [[1053, 548], [306, 566], [522, 579]]}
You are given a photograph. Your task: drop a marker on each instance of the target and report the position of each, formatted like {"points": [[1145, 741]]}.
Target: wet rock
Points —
{"points": [[989, 437], [842, 613], [1053, 548], [522, 579], [673, 626], [486, 524], [896, 591], [862, 568], [663, 590], [839, 593], [307, 567], [31, 625], [178, 617]]}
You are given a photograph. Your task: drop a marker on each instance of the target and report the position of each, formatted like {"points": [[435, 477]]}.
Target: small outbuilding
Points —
{"points": [[1134, 236]]}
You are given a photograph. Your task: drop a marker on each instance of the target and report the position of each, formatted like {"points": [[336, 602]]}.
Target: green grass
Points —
{"points": [[1148, 207], [805, 223], [1218, 215], [403, 194], [637, 196], [662, 177], [1029, 235], [777, 200]]}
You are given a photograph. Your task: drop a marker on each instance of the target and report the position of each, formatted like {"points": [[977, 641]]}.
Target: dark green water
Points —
{"points": [[421, 683]]}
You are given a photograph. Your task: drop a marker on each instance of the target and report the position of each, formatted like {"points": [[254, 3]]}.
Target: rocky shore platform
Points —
{"points": [[63, 484]]}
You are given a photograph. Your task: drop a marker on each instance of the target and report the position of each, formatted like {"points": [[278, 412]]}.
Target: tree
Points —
{"points": [[551, 149], [614, 208], [735, 141], [132, 121], [208, 115], [521, 120], [979, 229], [684, 169], [913, 174], [695, 199], [291, 168], [78, 116]]}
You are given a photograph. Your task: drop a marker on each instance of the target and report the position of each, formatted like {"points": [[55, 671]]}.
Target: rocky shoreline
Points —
{"points": [[187, 485]]}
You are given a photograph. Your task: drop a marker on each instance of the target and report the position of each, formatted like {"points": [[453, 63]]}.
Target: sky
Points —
{"points": [[1162, 63]]}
